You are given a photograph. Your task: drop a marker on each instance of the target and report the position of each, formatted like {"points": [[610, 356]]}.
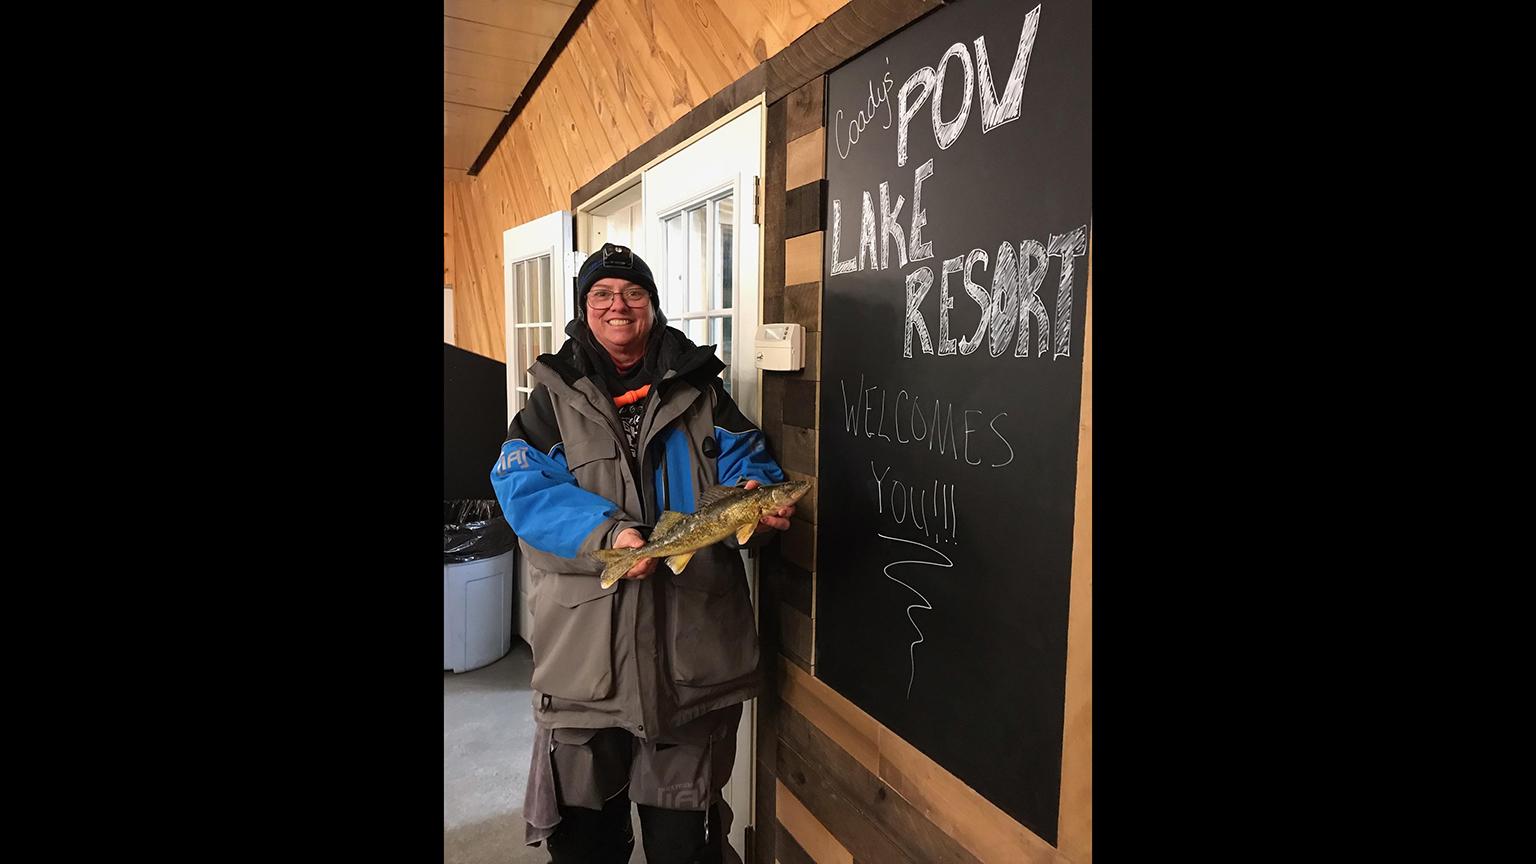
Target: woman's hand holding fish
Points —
{"points": [[629, 538], [777, 520]]}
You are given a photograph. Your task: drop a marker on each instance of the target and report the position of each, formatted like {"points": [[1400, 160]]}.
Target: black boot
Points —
{"points": [[593, 836], [677, 836]]}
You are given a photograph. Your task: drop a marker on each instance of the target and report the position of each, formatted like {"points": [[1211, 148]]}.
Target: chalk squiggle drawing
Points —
{"points": [[912, 649]]}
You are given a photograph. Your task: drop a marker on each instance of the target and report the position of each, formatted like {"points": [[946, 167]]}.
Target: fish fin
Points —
{"points": [[678, 562], [716, 493], [667, 520], [744, 533], [618, 560], [615, 571]]}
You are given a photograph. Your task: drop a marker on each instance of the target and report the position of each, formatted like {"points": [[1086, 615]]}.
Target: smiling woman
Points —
{"points": [[620, 315], [638, 685], [619, 301]]}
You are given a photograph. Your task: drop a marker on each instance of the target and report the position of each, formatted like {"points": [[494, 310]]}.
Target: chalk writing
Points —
{"points": [[995, 110], [873, 413], [1066, 247], [912, 648], [930, 509], [1016, 280], [856, 125]]}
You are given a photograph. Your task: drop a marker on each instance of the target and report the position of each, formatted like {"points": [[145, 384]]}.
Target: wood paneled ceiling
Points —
{"points": [[490, 49]]}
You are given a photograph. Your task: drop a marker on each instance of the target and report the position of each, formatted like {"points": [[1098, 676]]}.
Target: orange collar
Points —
{"points": [[632, 396]]}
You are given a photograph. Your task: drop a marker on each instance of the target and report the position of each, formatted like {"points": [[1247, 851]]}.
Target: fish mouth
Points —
{"points": [[796, 490]]}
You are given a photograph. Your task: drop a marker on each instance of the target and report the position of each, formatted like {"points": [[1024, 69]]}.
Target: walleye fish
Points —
{"points": [[723, 511]]}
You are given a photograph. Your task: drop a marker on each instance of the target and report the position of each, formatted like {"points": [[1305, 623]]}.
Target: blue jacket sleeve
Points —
{"points": [[540, 499], [542, 502]]}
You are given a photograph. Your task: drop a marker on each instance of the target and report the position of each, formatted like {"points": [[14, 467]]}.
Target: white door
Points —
{"points": [[704, 247], [537, 292]]}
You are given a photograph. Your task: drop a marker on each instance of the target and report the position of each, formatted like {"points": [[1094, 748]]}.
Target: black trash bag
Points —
{"points": [[473, 530]]}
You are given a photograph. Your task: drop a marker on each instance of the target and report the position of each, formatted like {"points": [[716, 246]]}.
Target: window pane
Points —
{"points": [[541, 305], [519, 379], [698, 331], [723, 329], [725, 249], [517, 293], [673, 291], [546, 337], [527, 275], [530, 290], [698, 260]]}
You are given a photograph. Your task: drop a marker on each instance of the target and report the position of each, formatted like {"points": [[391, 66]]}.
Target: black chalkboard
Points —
{"points": [[474, 422], [947, 463]]}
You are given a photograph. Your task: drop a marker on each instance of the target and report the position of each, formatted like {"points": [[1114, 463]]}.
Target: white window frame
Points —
{"points": [[722, 191], [548, 235]]}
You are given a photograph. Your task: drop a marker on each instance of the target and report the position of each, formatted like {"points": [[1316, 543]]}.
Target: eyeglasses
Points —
{"points": [[602, 298]]}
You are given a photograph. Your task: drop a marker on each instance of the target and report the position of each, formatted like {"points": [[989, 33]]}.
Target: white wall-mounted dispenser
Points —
{"points": [[780, 347]]}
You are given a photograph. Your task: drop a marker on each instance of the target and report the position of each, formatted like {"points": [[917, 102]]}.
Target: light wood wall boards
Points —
{"points": [[448, 229], [802, 260], [543, 18], [479, 321], [854, 802], [807, 159], [1074, 826], [947, 804], [631, 70], [792, 292], [812, 836], [491, 49], [792, 400]]}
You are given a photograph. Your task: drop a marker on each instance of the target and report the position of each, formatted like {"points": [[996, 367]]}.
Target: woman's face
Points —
{"points": [[619, 327]]}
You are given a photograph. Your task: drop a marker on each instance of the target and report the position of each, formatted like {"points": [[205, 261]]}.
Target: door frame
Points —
{"points": [[584, 208]]}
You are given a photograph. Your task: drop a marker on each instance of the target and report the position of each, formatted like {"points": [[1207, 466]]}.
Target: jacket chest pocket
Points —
{"points": [[711, 632], [590, 454], [573, 632], [596, 465]]}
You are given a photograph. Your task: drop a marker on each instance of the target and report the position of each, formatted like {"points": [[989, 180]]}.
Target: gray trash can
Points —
{"points": [[479, 584]]}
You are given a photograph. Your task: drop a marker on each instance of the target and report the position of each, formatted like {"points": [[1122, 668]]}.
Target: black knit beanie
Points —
{"points": [[618, 262]]}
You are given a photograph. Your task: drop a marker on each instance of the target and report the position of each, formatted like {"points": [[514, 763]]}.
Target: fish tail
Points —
{"points": [[618, 560]]}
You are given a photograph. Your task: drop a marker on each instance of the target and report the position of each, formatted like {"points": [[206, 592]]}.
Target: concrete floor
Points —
{"points": [[487, 741]]}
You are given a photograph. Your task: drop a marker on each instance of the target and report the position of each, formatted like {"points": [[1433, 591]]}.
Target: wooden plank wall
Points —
{"points": [[833, 784], [447, 235], [632, 69]]}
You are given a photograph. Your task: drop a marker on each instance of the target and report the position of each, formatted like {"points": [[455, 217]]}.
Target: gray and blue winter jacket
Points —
{"points": [[647, 655]]}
